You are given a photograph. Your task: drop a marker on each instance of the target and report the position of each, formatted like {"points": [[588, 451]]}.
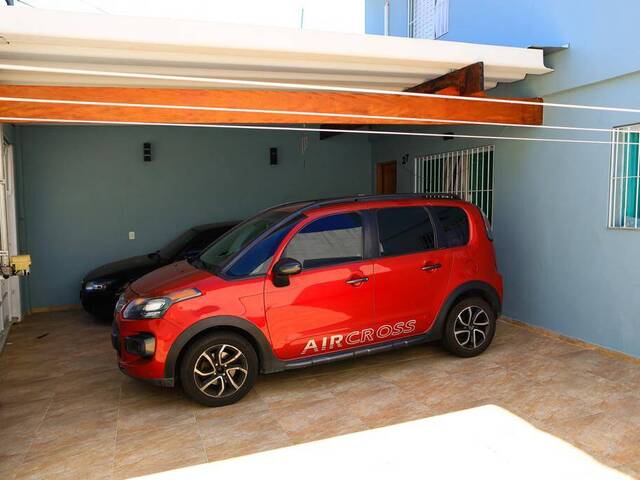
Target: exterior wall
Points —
{"points": [[84, 188], [398, 17], [564, 270]]}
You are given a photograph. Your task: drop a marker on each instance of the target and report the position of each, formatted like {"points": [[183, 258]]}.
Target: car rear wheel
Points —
{"points": [[219, 369], [470, 327]]}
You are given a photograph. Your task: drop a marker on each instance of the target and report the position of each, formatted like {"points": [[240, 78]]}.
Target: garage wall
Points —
{"points": [[563, 268], [85, 187]]}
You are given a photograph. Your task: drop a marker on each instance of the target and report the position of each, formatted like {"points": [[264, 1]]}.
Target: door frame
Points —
{"points": [[10, 306]]}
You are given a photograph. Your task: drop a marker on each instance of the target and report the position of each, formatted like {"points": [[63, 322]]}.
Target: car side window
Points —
{"points": [[455, 225], [257, 259], [328, 241], [404, 230]]}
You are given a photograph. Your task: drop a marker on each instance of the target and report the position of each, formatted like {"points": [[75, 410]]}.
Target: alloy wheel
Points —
{"points": [[220, 371], [471, 327]]}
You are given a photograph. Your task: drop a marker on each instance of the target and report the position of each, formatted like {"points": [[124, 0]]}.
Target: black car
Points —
{"points": [[102, 286]]}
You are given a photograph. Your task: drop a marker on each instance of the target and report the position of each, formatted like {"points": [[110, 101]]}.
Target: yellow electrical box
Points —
{"points": [[20, 264]]}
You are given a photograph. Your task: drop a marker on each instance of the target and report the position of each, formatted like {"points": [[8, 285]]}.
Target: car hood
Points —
{"points": [[170, 278], [126, 269]]}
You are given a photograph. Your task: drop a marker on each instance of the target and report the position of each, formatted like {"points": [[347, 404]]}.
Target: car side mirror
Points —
{"points": [[283, 269]]}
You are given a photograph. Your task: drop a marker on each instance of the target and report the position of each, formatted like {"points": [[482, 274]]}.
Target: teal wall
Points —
{"points": [[84, 188]]}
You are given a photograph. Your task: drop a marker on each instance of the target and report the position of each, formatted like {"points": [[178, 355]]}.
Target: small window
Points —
{"points": [[455, 225], [428, 18], [328, 241], [404, 230], [624, 179]]}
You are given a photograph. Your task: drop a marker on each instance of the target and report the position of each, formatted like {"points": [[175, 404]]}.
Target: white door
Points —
{"points": [[10, 310]]}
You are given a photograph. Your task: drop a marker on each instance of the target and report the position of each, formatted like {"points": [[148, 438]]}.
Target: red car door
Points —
{"points": [[331, 298], [410, 274]]}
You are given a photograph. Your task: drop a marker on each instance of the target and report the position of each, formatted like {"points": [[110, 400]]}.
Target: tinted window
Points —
{"points": [[455, 225], [257, 259], [327, 241], [223, 249], [405, 230]]}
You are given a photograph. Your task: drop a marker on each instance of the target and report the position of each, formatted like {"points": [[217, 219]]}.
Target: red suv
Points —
{"points": [[312, 282]]}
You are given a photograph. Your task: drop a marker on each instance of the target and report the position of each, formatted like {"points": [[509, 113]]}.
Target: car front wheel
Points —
{"points": [[470, 327], [219, 369]]}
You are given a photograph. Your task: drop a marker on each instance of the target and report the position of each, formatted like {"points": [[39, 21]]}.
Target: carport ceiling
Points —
{"points": [[60, 44]]}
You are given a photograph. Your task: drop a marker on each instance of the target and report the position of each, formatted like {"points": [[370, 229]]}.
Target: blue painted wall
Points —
{"points": [[85, 188], [564, 270], [374, 17]]}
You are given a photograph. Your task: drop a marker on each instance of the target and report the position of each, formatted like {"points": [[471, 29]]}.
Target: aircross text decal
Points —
{"points": [[357, 337]]}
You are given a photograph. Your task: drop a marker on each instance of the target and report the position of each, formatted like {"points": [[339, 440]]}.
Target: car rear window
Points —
{"points": [[404, 230], [455, 225]]}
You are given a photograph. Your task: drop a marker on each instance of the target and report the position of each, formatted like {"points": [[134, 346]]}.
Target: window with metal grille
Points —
{"points": [[428, 18], [624, 179], [467, 173]]}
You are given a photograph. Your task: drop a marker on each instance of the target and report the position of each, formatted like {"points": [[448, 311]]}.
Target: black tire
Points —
{"points": [[468, 341], [210, 353]]}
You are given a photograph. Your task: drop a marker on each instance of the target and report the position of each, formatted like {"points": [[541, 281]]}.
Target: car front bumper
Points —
{"points": [[142, 347]]}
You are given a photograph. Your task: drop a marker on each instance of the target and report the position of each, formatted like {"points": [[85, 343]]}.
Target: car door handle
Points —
{"points": [[431, 266], [357, 281]]}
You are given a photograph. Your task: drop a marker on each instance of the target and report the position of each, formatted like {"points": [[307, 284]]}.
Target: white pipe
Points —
{"points": [[308, 129], [387, 12]]}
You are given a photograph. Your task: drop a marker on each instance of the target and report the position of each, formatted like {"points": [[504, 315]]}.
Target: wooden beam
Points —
{"points": [[465, 81], [442, 109]]}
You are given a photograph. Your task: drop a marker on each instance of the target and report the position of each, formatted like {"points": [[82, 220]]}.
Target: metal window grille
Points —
{"points": [[624, 179], [466, 173], [428, 18]]}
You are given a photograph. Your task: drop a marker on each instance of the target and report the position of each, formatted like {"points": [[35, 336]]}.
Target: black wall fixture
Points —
{"points": [[273, 156], [146, 152]]}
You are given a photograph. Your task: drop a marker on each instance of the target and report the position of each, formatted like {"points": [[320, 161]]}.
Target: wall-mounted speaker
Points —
{"points": [[146, 152], [273, 156]]}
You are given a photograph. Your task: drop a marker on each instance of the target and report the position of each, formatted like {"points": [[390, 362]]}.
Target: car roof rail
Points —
{"points": [[363, 197], [379, 197]]}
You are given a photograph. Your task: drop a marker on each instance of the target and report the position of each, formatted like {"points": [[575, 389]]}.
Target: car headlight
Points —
{"points": [[97, 285], [120, 303], [145, 308]]}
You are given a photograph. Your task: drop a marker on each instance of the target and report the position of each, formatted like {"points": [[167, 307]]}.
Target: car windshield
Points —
{"points": [[176, 245], [235, 240]]}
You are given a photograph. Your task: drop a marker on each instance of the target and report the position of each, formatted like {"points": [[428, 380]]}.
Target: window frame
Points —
{"points": [[436, 20], [615, 210], [461, 172], [366, 240]]}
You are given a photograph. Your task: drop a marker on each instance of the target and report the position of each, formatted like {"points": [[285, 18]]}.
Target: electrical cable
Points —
{"points": [[312, 129]]}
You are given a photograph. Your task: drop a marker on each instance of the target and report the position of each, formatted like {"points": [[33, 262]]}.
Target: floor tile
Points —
{"points": [[317, 419]]}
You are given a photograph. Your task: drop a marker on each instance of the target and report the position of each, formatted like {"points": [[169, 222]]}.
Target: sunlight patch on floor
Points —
{"points": [[480, 442]]}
